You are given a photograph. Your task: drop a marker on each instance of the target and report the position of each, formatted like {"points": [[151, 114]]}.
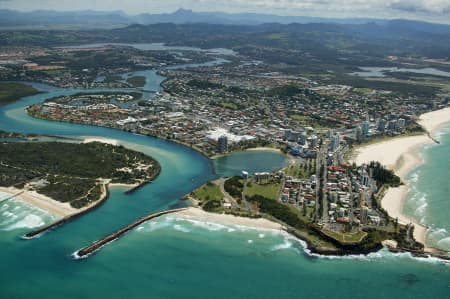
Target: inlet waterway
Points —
{"points": [[175, 258]]}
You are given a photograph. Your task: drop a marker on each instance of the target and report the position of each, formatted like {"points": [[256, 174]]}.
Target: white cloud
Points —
{"points": [[430, 6]]}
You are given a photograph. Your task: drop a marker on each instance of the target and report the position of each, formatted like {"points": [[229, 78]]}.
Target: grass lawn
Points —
{"points": [[308, 121], [207, 192], [298, 171], [229, 105], [353, 237], [268, 190]]}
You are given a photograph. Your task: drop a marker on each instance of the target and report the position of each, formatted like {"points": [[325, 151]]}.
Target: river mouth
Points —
{"points": [[183, 169]]}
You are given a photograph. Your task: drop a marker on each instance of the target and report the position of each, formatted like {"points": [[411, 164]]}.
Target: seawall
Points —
{"points": [[85, 251], [66, 219]]}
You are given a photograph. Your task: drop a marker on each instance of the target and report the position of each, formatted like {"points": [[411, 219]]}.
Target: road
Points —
{"points": [[227, 197], [325, 197], [244, 200]]}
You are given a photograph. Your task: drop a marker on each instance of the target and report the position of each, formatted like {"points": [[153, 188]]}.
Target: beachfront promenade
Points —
{"points": [[84, 252]]}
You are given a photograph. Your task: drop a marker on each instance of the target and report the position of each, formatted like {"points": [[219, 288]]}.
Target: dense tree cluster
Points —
{"points": [[69, 172], [10, 92], [203, 84], [383, 175], [234, 186], [278, 210]]}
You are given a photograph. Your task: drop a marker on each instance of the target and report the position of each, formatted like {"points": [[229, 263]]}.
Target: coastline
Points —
{"points": [[48, 204], [103, 197], [397, 163], [41, 201], [121, 185], [402, 155], [267, 149], [64, 209], [435, 120], [198, 214]]}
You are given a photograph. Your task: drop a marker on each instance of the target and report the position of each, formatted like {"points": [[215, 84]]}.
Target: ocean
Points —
{"points": [[429, 197]]}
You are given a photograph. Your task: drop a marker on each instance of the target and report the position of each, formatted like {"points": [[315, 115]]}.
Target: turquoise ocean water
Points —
{"points": [[175, 258], [429, 197]]}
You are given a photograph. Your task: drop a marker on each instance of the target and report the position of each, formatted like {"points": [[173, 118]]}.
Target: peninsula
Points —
{"points": [[10, 92], [67, 179]]}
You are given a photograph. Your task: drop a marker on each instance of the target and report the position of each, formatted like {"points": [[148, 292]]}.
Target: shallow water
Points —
{"points": [[428, 201]]}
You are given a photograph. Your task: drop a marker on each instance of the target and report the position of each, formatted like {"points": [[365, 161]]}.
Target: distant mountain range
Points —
{"points": [[48, 19], [86, 19]]}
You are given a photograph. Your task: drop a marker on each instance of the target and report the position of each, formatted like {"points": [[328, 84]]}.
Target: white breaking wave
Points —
{"points": [[156, 225], [211, 226], [437, 232], [30, 221], [19, 215], [420, 211], [289, 242], [4, 207], [418, 202], [285, 245], [7, 214], [381, 254], [414, 177], [181, 228], [445, 242], [384, 253], [214, 226]]}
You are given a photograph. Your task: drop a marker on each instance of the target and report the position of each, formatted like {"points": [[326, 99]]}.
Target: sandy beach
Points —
{"points": [[226, 219], [402, 156], [43, 202], [398, 154], [54, 207], [127, 186], [433, 121], [268, 149], [100, 139]]}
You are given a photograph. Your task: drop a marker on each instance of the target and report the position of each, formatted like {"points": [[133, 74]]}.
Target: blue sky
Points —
{"points": [[433, 10]]}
